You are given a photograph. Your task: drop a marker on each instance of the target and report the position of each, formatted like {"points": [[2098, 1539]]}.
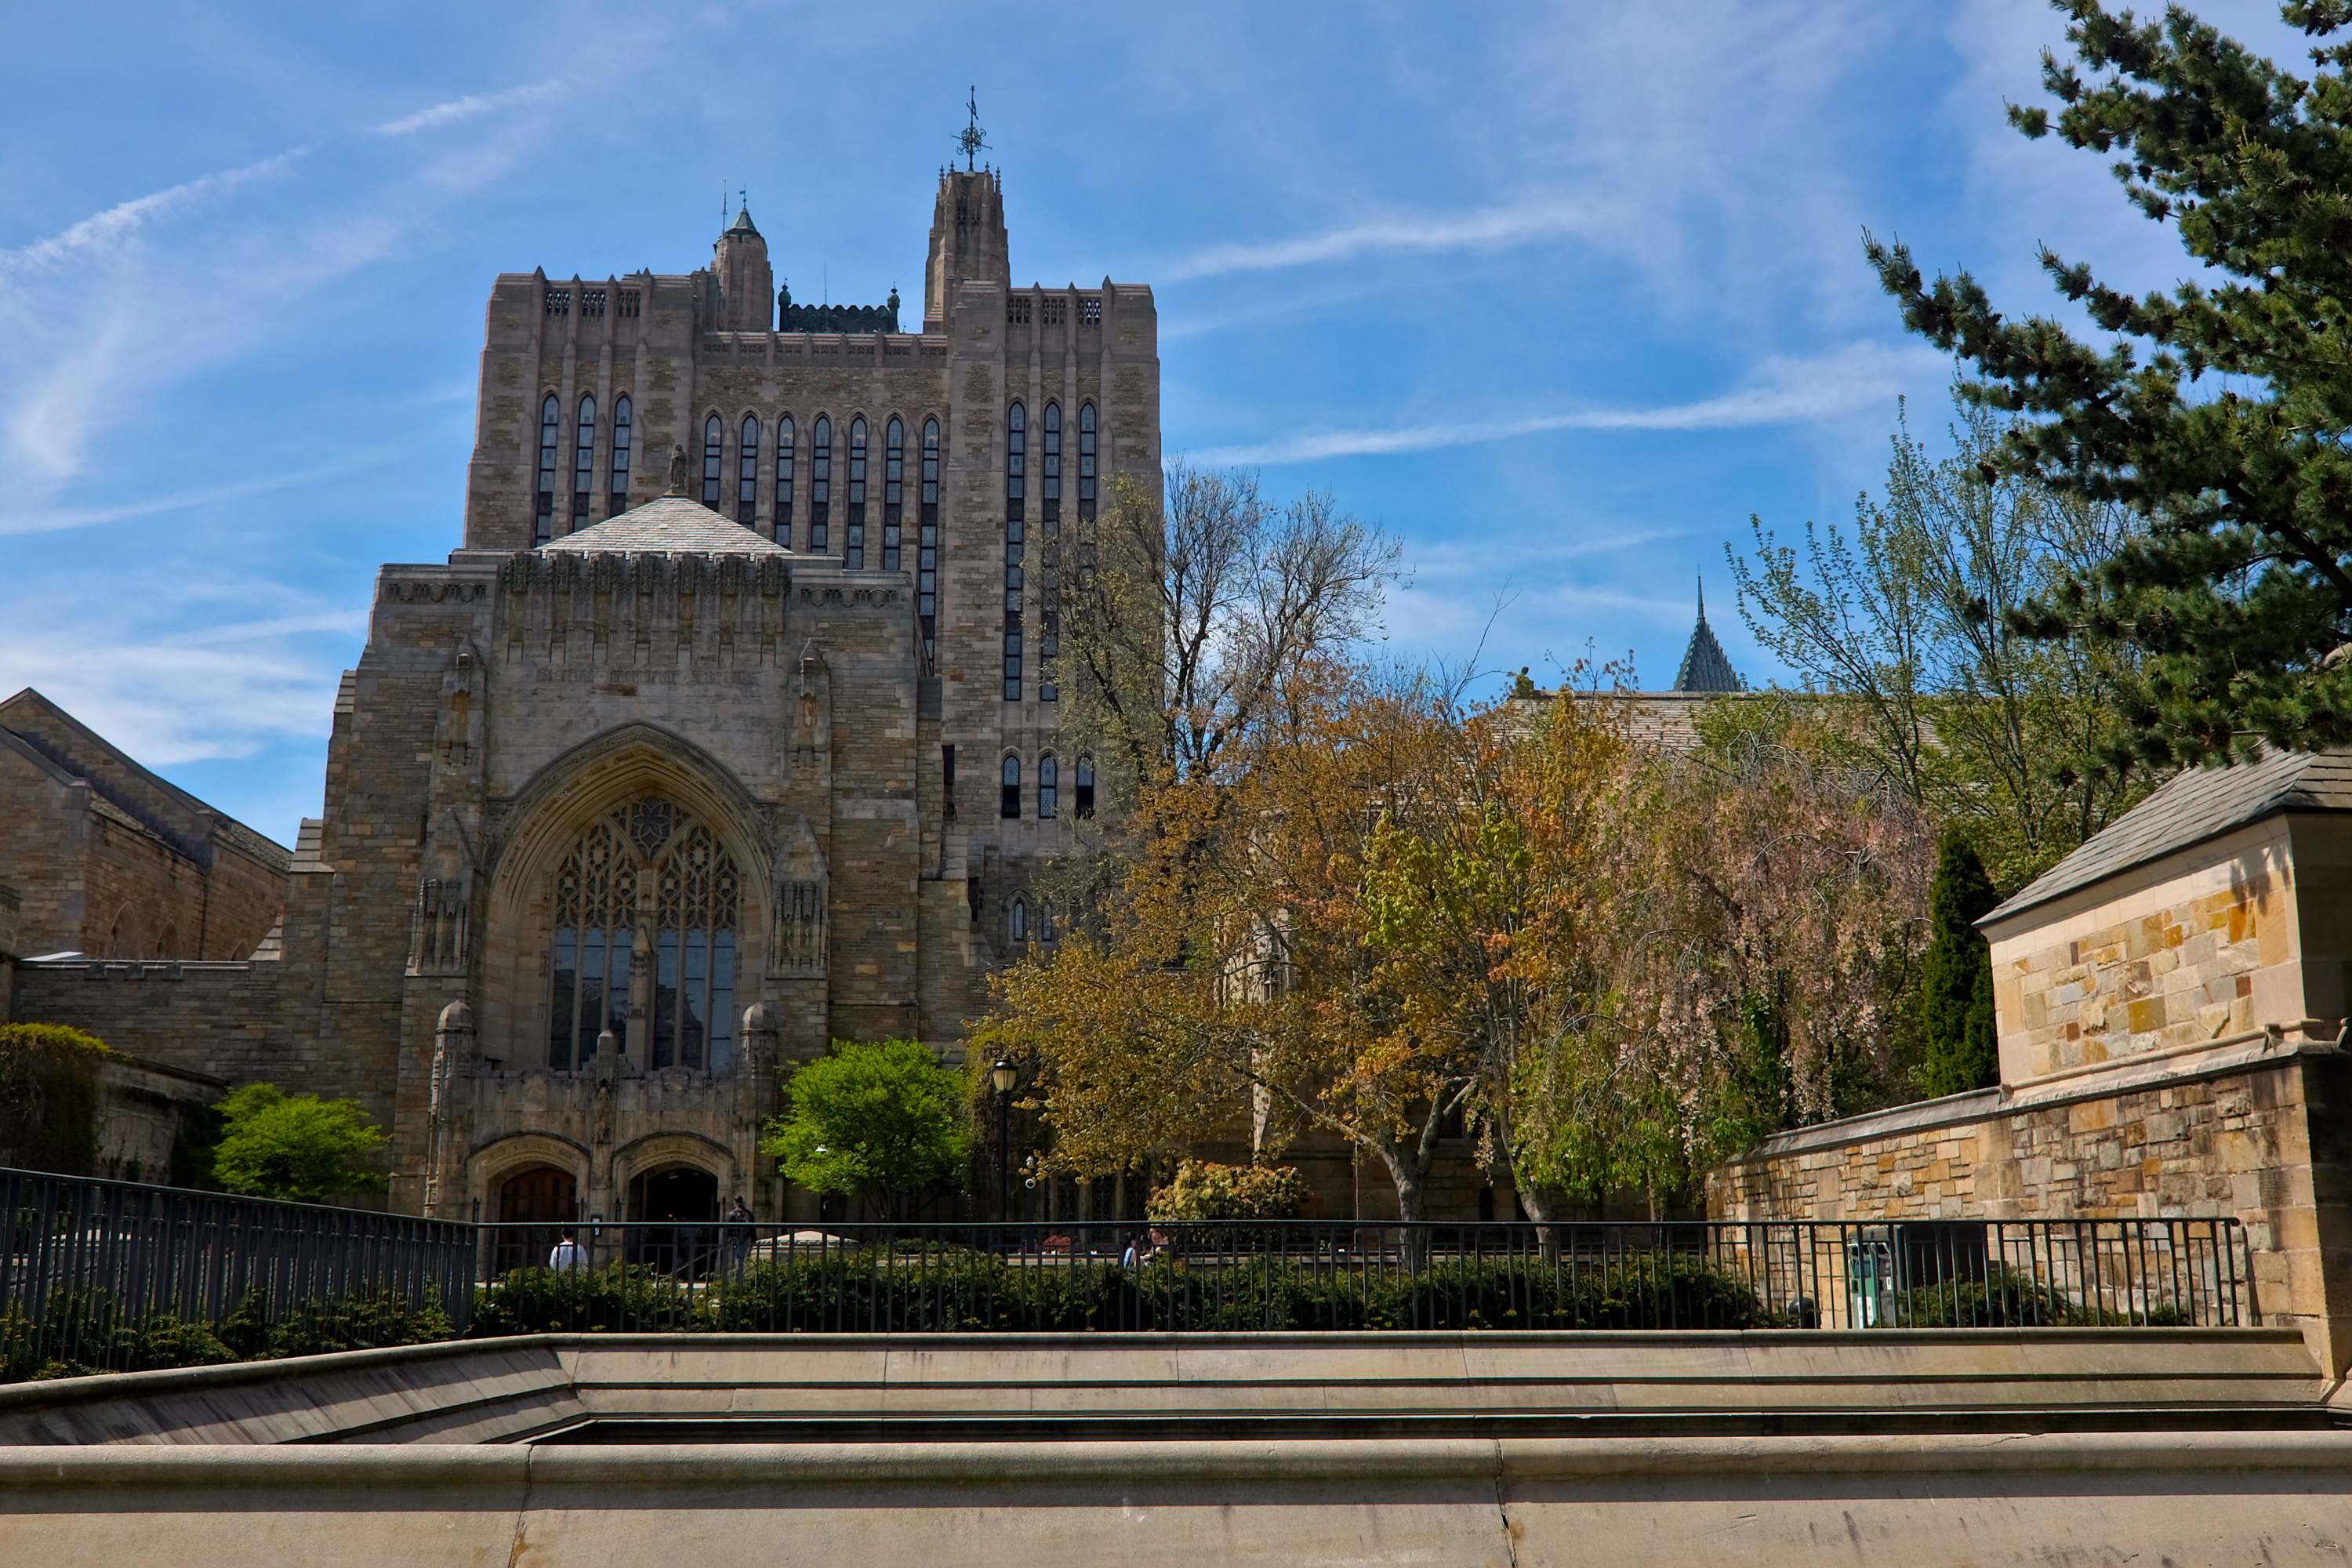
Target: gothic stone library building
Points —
{"points": [[710, 776]]}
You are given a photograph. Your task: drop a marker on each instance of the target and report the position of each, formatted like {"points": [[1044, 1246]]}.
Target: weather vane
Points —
{"points": [[971, 138]]}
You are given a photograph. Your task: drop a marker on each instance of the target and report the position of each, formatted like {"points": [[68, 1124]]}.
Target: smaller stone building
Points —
{"points": [[109, 860], [2171, 1004]]}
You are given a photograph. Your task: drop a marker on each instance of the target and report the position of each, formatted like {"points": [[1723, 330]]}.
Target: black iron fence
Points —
{"points": [[1074, 1277], [92, 1272]]}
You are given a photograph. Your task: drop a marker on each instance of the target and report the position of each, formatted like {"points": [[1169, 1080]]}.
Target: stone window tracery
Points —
{"points": [[645, 868]]}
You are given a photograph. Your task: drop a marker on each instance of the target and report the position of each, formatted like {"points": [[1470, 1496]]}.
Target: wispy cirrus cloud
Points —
{"points": [[106, 231], [49, 520], [1485, 228], [1782, 390], [457, 109]]}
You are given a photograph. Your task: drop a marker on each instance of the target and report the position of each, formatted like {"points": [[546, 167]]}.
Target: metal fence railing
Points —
{"points": [[89, 1266], [1062, 1277]]}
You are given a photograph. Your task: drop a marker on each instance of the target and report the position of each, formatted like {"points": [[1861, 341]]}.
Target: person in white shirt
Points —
{"points": [[567, 1257]]}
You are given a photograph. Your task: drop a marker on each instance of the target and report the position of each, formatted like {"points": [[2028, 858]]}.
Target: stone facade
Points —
{"points": [[641, 794], [109, 860]]}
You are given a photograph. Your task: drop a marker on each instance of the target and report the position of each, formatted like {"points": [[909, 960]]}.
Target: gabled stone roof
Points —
{"points": [[2188, 809], [668, 525]]}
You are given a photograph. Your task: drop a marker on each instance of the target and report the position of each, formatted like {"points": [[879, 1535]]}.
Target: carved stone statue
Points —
{"points": [[678, 470]]}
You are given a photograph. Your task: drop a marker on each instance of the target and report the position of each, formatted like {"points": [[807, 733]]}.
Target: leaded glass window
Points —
{"points": [[617, 502], [784, 433], [1049, 786], [1016, 456], [550, 434], [821, 487], [1083, 800], [1008, 806], [648, 867], [894, 489], [714, 454], [853, 555], [747, 472], [583, 463], [926, 545]]}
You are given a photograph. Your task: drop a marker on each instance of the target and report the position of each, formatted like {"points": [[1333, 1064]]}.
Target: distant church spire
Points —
{"points": [[1705, 666]]}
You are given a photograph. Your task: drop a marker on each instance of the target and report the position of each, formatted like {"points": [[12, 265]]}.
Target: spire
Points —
{"points": [[971, 141], [1705, 666]]}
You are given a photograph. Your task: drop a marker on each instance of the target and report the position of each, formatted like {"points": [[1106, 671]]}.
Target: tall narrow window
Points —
{"points": [[947, 783], [747, 474], [714, 452], [1008, 806], [584, 464], [1045, 919], [894, 489], [1049, 786], [1016, 459], [821, 488], [550, 434], [1084, 803], [785, 434], [1020, 920], [617, 500], [1086, 464], [926, 547], [853, 555], [1049, 584]]}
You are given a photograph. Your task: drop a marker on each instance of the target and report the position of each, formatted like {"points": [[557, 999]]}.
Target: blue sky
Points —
{"points": [[1558, 294]]}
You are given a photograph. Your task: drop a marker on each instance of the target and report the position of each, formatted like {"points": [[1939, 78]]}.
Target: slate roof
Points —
{"points": [[2193, 807], [668, 525], [1705, 667]]}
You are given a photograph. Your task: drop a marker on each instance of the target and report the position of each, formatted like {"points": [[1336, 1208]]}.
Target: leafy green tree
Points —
{"points": [[1956, 974], [2216, 412], [294, 1146], [881, 1120], [1910, 623]]}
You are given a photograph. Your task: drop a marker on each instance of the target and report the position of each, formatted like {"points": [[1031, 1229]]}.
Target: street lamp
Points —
{"points": [[1004, 1076]]}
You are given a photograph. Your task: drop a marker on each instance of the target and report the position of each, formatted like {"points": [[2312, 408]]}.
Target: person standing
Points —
{"points": [[738, 1234], [567, 1255]]}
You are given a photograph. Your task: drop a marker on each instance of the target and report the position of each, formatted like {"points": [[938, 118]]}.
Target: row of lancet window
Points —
{"points": [[1049, 788], [1049, 519], [867, 538], [616, 454]]}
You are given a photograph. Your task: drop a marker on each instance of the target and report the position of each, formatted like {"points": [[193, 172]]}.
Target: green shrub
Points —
{"points": [[87, 1330], [48, 1098], [2003, 1298], [294, 1146]]}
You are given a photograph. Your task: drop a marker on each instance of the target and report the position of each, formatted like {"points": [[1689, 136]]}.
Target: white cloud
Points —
{"points": [[458, 109], [1488, 228], [109, 230], [50, 520], [1781, 391]]}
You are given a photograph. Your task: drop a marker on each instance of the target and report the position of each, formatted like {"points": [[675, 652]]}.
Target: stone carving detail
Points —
{"points": [[437, 940]]}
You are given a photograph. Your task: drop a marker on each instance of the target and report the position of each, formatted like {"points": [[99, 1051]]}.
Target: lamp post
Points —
{"points": [[1004, 1076]]}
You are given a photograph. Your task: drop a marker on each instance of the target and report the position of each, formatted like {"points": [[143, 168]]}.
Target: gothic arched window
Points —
{"points": [[1049, 581], [746, 470], [1016, 458], [617, 502], [1009, 807], [1049, 786], [821, 487], [551, 432], [1084, 802], [1020, 920], [894, 489], [1045, 919], [926, 547], [690, 926], [853, 555], [583, 463], [714, 454], [784, 433]]}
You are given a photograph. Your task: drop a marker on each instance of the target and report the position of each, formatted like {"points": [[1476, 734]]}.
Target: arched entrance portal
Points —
{"points": [[677, 1209], [541, 1197]]}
